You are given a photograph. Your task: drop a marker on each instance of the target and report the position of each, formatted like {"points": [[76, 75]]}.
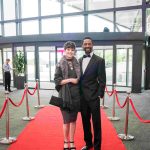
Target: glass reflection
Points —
{"points": [[30, 27], [72, 25], [50, 7], [73, 6], [129, 21], [29, 8], [101, 20], [124, 65]]}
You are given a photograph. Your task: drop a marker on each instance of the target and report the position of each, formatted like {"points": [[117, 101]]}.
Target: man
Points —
{"points": [[7, 75], [92, 86]]}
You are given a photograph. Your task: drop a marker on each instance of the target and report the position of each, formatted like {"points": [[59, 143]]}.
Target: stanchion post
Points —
{"points": [[103, 103], [27, 118], [7, 139], [114, 118], [38, 94], [126, 136]]}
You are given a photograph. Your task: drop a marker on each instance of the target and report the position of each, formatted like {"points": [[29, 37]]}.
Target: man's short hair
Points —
{"points": [[69, 44], [87, 37], [7, 59]]}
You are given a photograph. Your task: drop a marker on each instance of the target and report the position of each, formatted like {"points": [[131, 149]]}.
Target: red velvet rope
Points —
{"points": [[4, 106], [136, 113], [34, 90], [17, 105], [121, 106], [108, 92]]}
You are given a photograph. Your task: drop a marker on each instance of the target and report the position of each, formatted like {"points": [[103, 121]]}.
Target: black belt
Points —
{"points": [[7, 71]]}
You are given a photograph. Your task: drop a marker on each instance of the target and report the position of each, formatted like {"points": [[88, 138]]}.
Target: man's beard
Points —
{"points": [[88, 50]]}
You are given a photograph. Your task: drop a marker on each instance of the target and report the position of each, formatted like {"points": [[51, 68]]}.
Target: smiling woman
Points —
{"points": [[66, 79]]}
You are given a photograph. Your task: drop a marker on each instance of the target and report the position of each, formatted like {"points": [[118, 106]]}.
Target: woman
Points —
{"points": [[66, 79]]}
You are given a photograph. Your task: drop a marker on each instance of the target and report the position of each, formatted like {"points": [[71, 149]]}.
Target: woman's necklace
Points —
{"points": [[70, 65]]}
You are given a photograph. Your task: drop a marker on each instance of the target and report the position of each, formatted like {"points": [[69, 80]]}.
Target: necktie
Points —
{"points": [[85, 56]]}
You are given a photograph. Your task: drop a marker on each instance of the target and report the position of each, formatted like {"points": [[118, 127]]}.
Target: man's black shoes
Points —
{"points": [[87, 147]]}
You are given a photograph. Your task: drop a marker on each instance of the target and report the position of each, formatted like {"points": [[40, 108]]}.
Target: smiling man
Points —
{"points": [[92, 86]]}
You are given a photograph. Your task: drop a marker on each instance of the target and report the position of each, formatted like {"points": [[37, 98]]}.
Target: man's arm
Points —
{"points": [[101, 78]]}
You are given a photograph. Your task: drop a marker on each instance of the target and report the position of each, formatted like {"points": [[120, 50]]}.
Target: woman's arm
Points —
{"points": [[69, 80]]}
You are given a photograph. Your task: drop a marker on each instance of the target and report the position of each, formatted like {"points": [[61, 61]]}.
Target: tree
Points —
{"points": [[19, 63]]}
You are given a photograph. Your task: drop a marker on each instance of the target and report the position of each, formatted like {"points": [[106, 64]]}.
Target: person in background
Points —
{"points": [[92, 86], [7, 75], [66, 78]]}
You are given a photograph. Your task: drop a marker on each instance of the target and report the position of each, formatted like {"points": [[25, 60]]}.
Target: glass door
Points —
{"points": [[30, 56], [1, 68], [47, 64], [124, 65]]}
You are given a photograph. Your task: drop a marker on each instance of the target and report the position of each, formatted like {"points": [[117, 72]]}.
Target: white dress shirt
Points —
{"points": [[6, 67], [85, 62]]}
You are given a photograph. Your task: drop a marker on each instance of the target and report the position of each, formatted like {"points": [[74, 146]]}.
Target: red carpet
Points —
{"points": [[45, 133]]}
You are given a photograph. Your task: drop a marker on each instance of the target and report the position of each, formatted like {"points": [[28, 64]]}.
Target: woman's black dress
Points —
{"points": [[71, 116]]}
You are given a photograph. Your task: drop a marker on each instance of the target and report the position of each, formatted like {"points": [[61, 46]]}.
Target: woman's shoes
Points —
{"points": [[72, 148], [66, 148]]}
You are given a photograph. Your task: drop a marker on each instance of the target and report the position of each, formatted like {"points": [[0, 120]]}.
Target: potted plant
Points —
{"points": [[19, 65]]}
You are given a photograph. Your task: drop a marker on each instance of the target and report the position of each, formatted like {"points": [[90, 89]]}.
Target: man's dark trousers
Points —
{"points": [[7, 80], [88, 109]]}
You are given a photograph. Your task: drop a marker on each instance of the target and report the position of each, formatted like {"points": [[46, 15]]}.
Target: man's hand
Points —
{"points": [[101, 96]]}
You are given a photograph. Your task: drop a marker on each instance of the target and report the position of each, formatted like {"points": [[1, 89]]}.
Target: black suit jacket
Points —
{"points": [[93, 80]]}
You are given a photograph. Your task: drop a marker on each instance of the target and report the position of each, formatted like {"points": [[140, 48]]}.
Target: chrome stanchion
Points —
{"points": [[39, 105], [114, 118], [27, 118], [7, 139], [103, 103], [126, 136]]}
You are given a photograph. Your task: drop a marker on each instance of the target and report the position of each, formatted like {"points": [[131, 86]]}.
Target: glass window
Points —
{"points": [[121, 66], [106, 52], [20, 48], [148, 21], [100, 4], [129, 21], [30, 27], [98, 50], [79, 52], [30, 62], [9, 9], [47, 64], [60, 52], [50, 7], [73, 6], [52, 25], [124, 65], [1, 73], [129, 83], [29, 8], [0, 11], [0, 30], [101, 21], [10, 29], [73, 24], [124, 3], [52, 65]]}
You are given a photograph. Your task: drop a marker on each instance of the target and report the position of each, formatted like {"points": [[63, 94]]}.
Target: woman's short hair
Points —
{"points": [[69, 44]]}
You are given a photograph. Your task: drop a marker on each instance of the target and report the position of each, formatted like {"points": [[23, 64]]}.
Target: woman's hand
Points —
{"points": [[73, 80], [70, 80]]}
